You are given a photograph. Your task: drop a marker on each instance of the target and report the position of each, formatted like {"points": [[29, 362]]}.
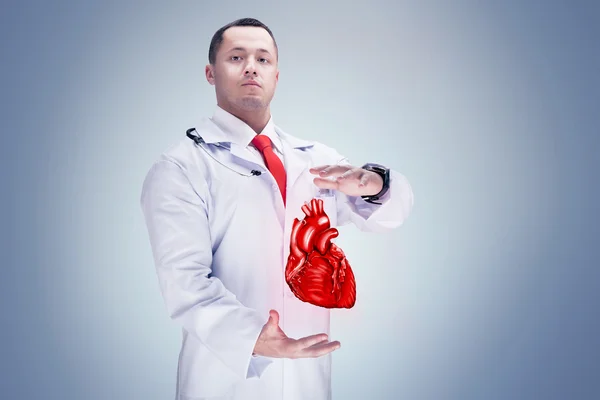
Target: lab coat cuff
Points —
{"points": [[257, 364], [396, 205], [362, 204], [234, 343]]}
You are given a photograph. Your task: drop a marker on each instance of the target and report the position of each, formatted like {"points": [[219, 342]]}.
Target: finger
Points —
{"points": [[348, 174], [324, 345], [325, 183], [320, 349], [310, 340], [317, 169], [274, 317], [363, 180], [316, 345], [334, 170]]}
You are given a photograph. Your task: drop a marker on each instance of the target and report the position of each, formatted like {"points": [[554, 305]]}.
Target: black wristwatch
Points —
{"points": [[385, 174]]}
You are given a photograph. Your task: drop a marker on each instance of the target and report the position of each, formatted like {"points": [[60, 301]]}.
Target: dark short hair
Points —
{"points": [[217, 38]]}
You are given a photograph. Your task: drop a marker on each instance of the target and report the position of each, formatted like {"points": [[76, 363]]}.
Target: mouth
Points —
{"points": [[251, 83]]}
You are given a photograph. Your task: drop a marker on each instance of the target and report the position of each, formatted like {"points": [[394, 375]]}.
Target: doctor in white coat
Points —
{"points": [[220, 231]]}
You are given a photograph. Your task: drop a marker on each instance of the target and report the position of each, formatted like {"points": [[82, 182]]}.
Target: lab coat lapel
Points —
{"points": [[236, 154], [296, 160], [242, 156]]}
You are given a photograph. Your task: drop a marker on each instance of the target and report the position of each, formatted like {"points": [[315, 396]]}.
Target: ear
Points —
{"points": [[277, 76], [210, 76]]}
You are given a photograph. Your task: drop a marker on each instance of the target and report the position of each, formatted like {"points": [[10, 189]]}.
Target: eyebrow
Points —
{"points": [[243, 49]]}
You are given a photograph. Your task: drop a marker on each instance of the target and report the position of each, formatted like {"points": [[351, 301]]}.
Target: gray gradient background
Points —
{"points": [[489, 291]]}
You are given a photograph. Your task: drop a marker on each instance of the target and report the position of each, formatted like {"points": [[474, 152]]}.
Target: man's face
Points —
{"points": [[245, 73]]}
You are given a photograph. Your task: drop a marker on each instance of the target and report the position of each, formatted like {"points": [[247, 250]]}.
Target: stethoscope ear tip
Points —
{"points": [[196, 139]]}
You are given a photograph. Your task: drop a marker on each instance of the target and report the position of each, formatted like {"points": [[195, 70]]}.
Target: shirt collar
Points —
{"points": [[240, 133]]}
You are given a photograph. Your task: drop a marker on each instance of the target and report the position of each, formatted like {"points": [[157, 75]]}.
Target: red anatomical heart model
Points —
{"points": [[317, 271]]}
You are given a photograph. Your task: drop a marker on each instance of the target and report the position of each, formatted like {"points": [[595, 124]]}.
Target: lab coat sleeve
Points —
{"points": [[177, 221], [395, 207]]}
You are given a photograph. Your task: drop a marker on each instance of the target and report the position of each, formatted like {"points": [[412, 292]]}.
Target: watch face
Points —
{"points": [[374, 166]]}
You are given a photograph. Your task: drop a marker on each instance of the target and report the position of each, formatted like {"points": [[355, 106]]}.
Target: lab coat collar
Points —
{"points": [[213, 132], [296, 161], [239, 132], [294, 142]]}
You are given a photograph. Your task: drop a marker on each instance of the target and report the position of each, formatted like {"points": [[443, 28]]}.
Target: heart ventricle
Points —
{"points": [[317, 270]]}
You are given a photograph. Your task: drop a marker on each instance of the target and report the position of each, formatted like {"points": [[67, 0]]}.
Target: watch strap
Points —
{"points": [[382, 171]]}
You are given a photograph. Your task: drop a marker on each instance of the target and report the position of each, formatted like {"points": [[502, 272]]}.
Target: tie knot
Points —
{"points": [[261, 141]]}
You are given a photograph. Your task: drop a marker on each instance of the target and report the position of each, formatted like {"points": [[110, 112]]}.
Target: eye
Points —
{"points": [[235, 58], [263, 60]]}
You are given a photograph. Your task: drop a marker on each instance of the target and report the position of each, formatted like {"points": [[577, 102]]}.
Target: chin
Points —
{"points": [[250, 103]]}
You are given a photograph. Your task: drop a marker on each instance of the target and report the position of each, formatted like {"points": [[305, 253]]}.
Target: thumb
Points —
{"points": [[273, 317]]}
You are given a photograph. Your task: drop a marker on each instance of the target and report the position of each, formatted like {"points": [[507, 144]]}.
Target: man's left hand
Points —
{"points": [[353, 181]]}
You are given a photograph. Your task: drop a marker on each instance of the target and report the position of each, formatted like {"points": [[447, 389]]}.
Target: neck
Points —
{"points": [[255, 119]]}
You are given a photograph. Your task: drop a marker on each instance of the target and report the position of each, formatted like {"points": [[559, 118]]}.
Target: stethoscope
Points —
{"points": [[201, 143]]}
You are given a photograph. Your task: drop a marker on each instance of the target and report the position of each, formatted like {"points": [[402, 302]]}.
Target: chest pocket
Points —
{"points": [[329, 204]]}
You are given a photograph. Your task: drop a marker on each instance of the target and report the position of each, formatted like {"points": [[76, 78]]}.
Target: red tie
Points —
{"points": [[274, 164]]}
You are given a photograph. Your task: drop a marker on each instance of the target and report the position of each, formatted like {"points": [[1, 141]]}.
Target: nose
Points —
{"points": [[250, 67]]}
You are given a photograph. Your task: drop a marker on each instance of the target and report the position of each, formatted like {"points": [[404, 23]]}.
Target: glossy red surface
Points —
{"points": [[317, 270]]}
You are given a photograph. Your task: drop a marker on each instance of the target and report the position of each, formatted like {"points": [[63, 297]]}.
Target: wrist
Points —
{"points": [[258, 346], [384, 173]]}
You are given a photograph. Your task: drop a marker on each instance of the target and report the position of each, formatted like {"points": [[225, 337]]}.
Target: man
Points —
{"points": [[219, 211]]}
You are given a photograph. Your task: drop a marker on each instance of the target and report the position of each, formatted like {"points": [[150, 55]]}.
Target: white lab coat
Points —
{"points": [[220, 242]]}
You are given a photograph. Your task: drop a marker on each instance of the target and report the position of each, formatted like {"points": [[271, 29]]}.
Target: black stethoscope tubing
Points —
{"points": [[200, 142]]}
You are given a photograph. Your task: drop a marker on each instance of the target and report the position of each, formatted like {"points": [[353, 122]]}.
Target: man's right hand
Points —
{"points": [[273, 342]]}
